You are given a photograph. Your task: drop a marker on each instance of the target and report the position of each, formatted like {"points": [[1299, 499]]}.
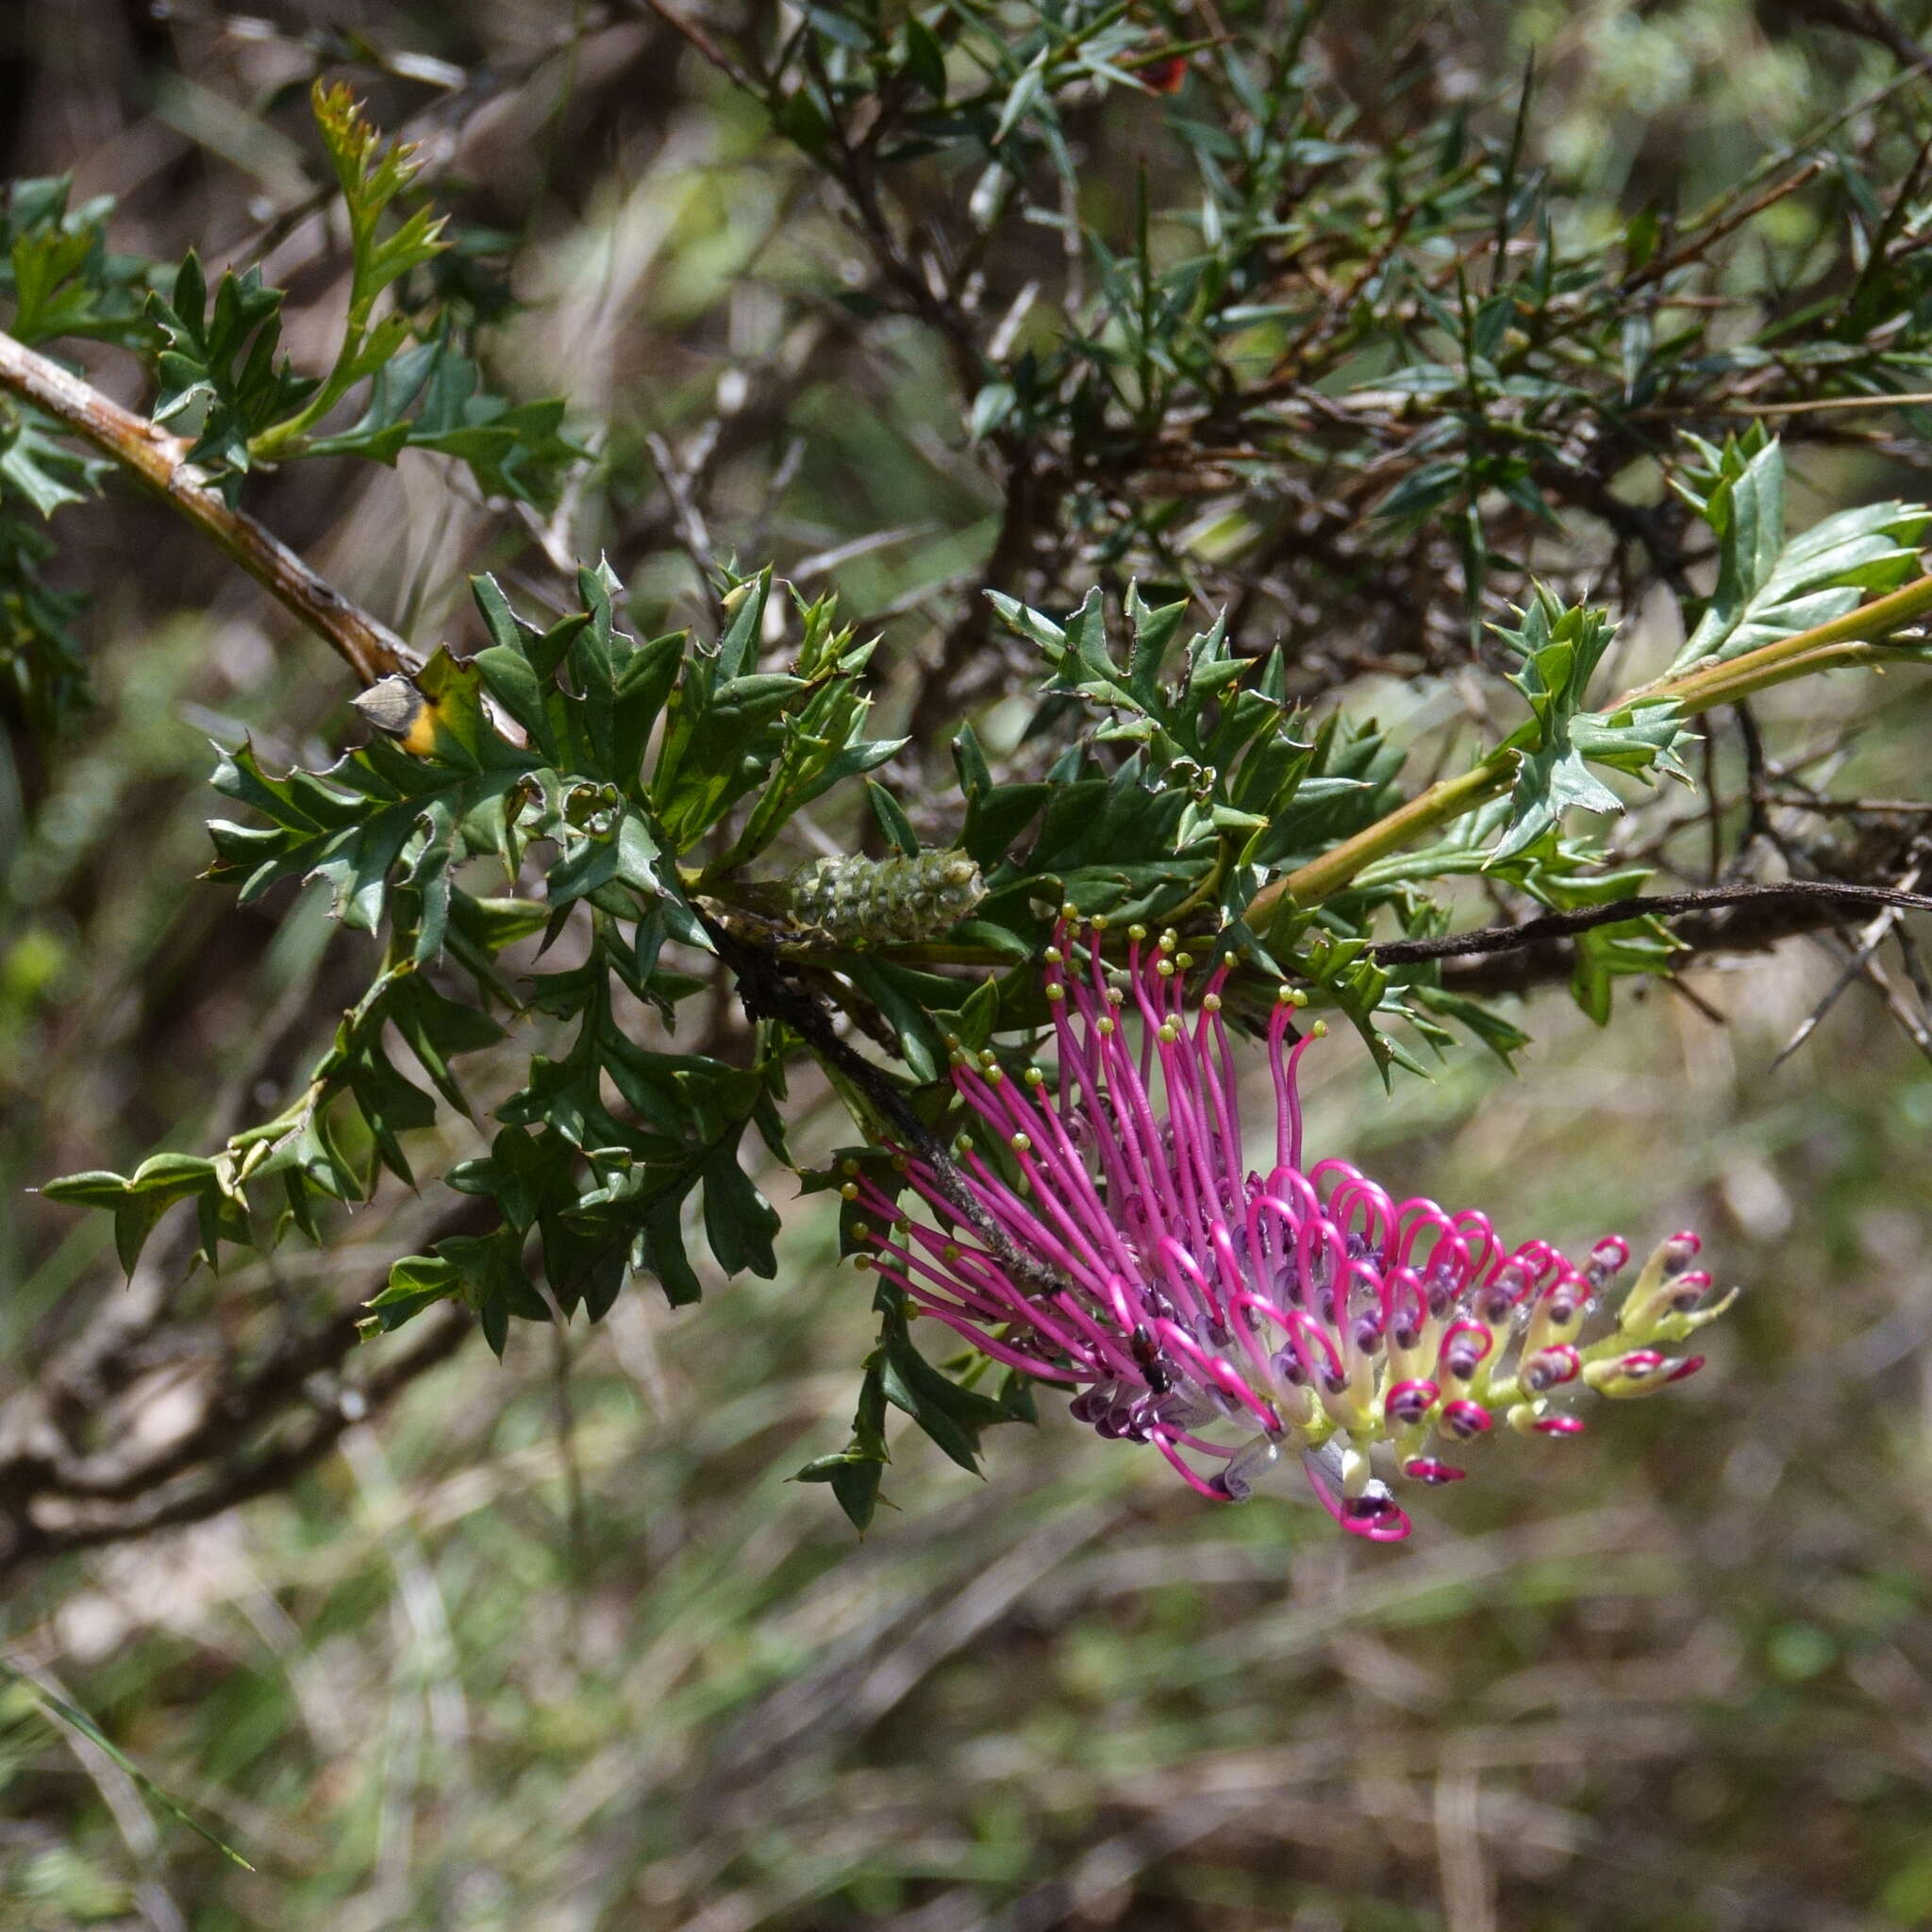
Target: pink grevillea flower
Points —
{"points": [[1123, 1244]]}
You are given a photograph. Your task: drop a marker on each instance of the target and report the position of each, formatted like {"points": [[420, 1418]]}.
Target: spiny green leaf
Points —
{"points": [[1769, 589], [1560, 649], [219, 370]]}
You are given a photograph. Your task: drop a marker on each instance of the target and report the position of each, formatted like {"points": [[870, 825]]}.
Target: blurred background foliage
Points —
{"points": [[553, 1643]]}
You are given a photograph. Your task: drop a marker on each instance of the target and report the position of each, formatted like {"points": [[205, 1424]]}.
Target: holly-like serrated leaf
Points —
{"points": [[138, 1200], [430, 396], [36, 467], [1560, 650], [376, 819], [1769, 589], [946, 1408], [221, 377], [56, 268], [818, 729]]}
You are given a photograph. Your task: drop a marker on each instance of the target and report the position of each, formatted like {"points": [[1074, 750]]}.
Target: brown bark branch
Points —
{"points": [[1754, 926], [243, 1479], [258, 1424], [159, 459], [1556, 925]]}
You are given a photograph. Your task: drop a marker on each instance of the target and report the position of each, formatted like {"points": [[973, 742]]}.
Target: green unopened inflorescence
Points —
{"points": [[869, 902]]}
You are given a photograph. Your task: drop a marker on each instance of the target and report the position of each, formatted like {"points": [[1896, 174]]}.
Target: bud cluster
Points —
{"points": [[871, 902]]}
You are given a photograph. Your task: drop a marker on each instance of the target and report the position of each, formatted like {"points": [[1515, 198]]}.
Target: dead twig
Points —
{"points": [[1556, 926]]}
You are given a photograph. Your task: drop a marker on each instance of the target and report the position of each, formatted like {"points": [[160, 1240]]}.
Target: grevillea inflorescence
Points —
{"points": [[1120, 1242]]}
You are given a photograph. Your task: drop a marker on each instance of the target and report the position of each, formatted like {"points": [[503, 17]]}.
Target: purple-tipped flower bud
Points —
{"points": [[1688, 1290], [1641, 1372], [1549, 1368], [1663, 1304], [1408, 1402], [1610, 1257], [1464, 1350], [1425, 1468], [1467, 1419], [1559, 1314], [1557, 1425], [1497, 1300]]}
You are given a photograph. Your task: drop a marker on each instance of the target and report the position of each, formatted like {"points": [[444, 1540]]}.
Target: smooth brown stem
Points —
{"points": [[160, 460]]}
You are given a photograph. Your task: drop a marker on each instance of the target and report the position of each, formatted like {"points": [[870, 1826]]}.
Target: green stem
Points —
{"points": [[1448, 800], [1867, 624], [1746, 677], [281, 439], [1845, 642]]}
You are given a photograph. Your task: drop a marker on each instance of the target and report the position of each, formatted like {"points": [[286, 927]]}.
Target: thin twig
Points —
{"points": [[1555, 925], [1879, 400], [160, 460], [691, 529], [1707, 238], [1858, 966], [1854, 808], [738, 75]]}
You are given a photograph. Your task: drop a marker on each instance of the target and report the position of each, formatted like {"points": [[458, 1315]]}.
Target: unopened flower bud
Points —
{"points": [[1497, 1299], [1608, 1257], [1465, 1349], [1549, 1368], [1425, 1468], [1671, 1309], [1408, 1402], [1466, 1419], [1558, 1315], [1688, 1290]]}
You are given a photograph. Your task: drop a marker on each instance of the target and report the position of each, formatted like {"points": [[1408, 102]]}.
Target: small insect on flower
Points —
{"points": [[1123, 1245]]}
